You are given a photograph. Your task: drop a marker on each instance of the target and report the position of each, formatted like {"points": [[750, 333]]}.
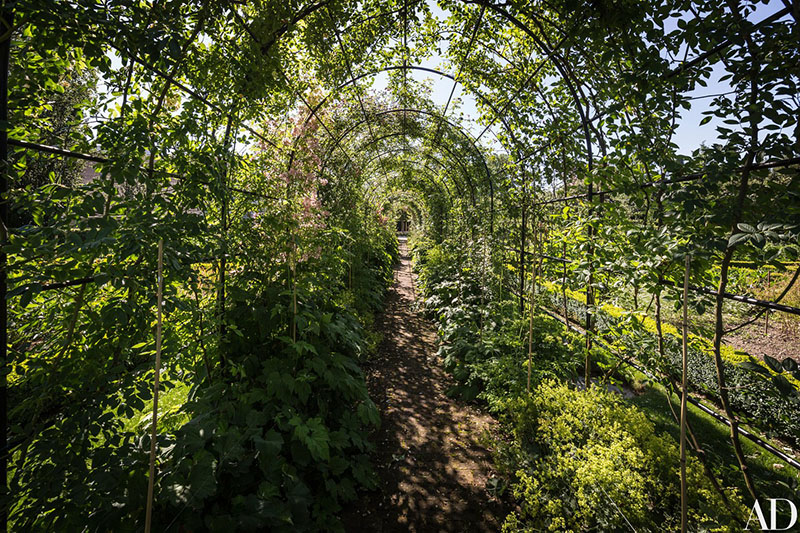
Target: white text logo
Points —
{"points": [[756, 513]]}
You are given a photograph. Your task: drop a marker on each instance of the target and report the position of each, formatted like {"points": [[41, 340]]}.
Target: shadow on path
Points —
{"points": [[432, 470]]}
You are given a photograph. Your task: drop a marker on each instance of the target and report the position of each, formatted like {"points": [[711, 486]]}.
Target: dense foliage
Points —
{"points": [[761, 392], [593, 463], [573, 459], [243, 137]]}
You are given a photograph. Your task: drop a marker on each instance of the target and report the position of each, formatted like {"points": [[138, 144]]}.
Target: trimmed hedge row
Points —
{"points": [[757, 400]]}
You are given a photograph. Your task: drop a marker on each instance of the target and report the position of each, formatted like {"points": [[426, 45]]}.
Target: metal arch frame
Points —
{"points": [[452, 156], [427, 172], [429, 157], [426, 154], [550, 55], [420, 68], [352, 76], [412, 202], [434, 183], [483, 99], [408, 203], [553, 58], [453, 126], [472, 39], [374, 193]]}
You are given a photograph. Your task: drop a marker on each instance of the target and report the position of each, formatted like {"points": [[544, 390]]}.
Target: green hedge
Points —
{"points": [[759, 401]]}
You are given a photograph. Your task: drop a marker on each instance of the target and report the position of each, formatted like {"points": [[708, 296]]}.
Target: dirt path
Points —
{"points": [[432, 470]]}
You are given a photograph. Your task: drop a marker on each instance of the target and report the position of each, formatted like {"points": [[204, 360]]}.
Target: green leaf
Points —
{"points": [[315, 436], [270, 445], [368, 413], [783, 385], [737, 238], [202, 482], [746, 227], [255, 418], [773, 363], [753, 367], [790, 365]]}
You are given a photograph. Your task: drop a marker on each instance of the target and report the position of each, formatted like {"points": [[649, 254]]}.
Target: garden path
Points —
{"points": [[433, 471]]}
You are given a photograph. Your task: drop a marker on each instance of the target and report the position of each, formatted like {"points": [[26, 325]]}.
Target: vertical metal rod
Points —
{"points": [[223, 260], [294, 287], [684, 394], [153, 430], [766, 314], [483, 281], [534, 273], [589, 288], [5, 52], [522, 239]]}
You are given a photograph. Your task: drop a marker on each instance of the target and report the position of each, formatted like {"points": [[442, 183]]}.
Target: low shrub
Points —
{"points": [[583, 461], [759, 401]]}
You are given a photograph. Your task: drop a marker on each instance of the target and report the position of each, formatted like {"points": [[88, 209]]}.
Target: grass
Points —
{"points": [[714, 437]]}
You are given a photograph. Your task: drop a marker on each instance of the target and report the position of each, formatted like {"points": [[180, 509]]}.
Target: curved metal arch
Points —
{"points": [[373, 188], [372, 191], [553, 58], [548, 52], [425, 153], [539, 43], [434, 184], [441, 145], [450, 194], [550, 55], [413, 201], [420, 68], [428, 156], [455, 160], [355, 125]]}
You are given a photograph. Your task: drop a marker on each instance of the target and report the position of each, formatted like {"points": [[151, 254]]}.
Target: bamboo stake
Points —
{"points": [[151, 480], [684, 386], [766, 315]]}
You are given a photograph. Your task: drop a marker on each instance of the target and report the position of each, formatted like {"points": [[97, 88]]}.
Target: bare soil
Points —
{"points": [[781, 339], [433, 470]]}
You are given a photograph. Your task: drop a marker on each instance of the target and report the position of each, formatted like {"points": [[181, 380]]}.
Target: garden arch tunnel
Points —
{"points": [[252, 133]]}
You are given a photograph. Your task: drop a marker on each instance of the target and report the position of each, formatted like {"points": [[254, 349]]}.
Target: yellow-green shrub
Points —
{"points": [[597, 464]]}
